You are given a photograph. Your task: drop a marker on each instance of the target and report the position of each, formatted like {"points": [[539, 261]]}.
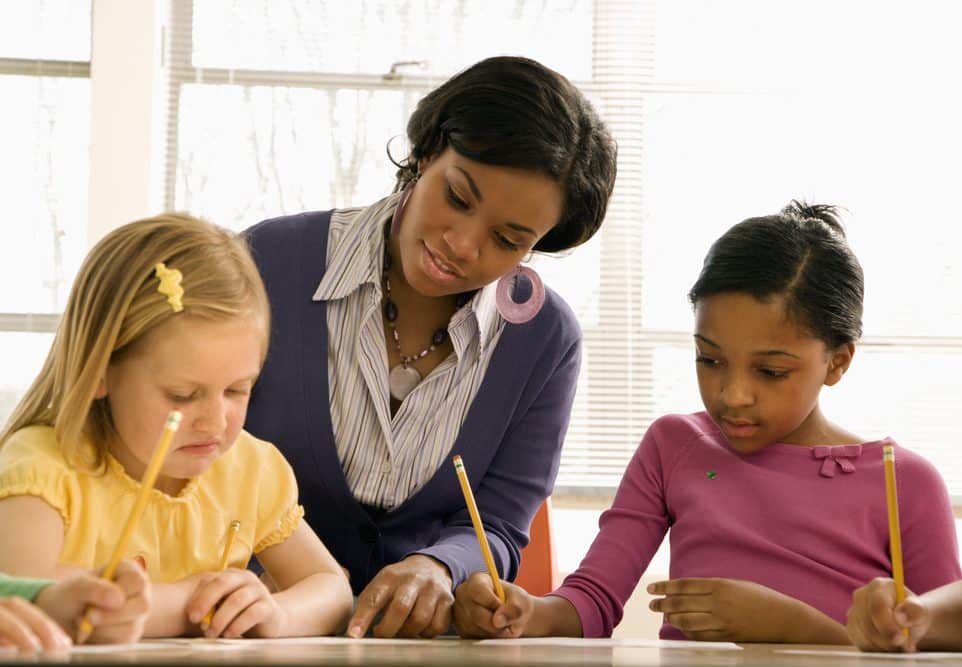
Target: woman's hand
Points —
{"points": [[479, 613], [27, 628], [117, 609], [414, 596], [734, 610], [242, 604], [876, 623]]}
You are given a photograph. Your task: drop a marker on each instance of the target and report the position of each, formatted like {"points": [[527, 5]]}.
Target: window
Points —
{"points": [[44, 65], [300, 97]]}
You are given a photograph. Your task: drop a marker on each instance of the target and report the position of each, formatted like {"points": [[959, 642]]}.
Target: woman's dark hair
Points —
{"points": [[515, 112], [799, 254]]}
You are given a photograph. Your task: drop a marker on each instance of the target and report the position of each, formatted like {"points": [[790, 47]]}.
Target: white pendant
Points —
{"points": [[403, 380]]}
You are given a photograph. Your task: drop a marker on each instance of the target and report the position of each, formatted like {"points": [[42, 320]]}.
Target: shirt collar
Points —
{"points": [[478, 320], [355, 249], [489, 319]]}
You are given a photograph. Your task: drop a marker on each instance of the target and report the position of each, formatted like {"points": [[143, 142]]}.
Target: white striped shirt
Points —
{"points": [[387, 459]]}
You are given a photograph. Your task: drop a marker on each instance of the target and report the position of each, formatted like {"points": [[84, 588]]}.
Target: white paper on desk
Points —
{"points": [[127, 648], [220, 642], [613, 643], [873, 655]]}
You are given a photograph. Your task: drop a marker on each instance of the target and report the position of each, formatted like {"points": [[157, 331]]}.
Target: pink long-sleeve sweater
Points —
{"points": [[809, 522]]}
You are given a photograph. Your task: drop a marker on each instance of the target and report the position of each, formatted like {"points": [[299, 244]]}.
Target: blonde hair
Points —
{"points": [[114, 303]]}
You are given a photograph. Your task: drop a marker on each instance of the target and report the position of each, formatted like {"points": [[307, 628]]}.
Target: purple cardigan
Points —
{"points": [[510, 441]]}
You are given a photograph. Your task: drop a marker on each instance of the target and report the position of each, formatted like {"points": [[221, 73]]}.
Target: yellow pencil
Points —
{"points": [[232, 530], [478, 527], [146, 484], [895, 533]]}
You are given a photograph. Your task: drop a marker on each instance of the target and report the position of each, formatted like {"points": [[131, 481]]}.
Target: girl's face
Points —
{"points": [[203, 368], [759, 374], [466, 223]]}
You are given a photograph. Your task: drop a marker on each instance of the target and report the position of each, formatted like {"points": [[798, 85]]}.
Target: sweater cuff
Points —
{"points": [[19, 587], [459, 559]]}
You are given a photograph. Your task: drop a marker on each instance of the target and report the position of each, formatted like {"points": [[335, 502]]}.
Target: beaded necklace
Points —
{"points": [[403, 378]]}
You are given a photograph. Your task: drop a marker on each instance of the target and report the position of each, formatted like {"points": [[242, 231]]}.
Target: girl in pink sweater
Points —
{"points": [[775, 514]]}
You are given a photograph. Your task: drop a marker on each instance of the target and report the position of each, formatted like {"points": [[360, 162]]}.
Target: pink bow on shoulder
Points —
{"points": [[839, 454]]}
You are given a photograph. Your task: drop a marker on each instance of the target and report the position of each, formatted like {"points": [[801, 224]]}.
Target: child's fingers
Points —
{"points": [[258, 611], [871, 622], [473, 621], [881, 614], [131, 578], [517, 602], [911, 612], [29, 629], [692, 622], [480, 613], [17, 633], [121, 633], [483, 619], [507, 614], [231, 608], [218, 587], [680, 604], [864, 634], [688, 586], [97, 592], [479, 589], [134, 608]]}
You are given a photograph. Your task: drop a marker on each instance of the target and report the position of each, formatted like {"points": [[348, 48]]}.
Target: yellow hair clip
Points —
{"points": [[170, 285]]}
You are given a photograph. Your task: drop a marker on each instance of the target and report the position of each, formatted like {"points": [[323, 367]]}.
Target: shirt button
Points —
{"points": [[386, 467]]}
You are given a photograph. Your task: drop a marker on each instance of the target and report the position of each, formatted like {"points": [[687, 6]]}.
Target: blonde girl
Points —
{"points": [[166, 313]]}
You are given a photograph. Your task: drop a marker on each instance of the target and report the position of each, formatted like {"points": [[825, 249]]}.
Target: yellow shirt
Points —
{"points": [[177, 536]]}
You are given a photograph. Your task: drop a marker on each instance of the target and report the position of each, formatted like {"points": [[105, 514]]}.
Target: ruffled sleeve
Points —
{"points": [[278, 511], [31, 464]]}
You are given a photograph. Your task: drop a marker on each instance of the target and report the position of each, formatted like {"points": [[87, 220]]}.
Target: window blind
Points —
{"points": [[745, 105]]}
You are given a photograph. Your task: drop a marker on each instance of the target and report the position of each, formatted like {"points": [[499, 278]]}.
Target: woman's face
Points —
{"points": [[466, 223]]}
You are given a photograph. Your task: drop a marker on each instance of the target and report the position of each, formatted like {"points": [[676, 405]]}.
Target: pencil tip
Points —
{"points": [[84, 631]]}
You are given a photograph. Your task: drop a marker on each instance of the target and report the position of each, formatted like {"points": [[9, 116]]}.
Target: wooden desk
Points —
{"points": [[464, 653]]}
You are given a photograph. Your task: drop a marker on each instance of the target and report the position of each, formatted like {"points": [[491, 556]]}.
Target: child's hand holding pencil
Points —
{"points": [[117, 609], [480, 612], [485, 606], [87, 623], [242, 606], [876, 622]]}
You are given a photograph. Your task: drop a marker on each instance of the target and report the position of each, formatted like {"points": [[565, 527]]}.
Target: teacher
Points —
{"points": [[409, 331]]}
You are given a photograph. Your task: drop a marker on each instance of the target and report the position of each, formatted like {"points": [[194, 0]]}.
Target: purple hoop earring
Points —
{"points": [[511, 310], [402, 202]]}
